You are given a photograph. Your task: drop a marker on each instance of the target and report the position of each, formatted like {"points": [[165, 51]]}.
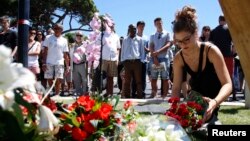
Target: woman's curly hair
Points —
{"points": [[185, 20]]}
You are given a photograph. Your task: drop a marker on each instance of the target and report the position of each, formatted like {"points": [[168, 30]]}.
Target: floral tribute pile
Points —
{"points": [[189, 114]]}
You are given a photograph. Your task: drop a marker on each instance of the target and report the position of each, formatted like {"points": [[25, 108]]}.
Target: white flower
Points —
{"points": [[13, 76], [7, 74], [7, 100]]}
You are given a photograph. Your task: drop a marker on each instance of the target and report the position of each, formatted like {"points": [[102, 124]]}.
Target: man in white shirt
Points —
{"points": [[110, 53], [159, 44], [55, 53]]}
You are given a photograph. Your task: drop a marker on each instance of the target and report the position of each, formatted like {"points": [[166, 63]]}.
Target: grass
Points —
{"points": [[234, 115]]}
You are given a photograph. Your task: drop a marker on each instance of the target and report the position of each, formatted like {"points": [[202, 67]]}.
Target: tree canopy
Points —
{"points": [[45, 13]]}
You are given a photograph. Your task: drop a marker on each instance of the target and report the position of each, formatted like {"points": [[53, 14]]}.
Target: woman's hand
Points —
{"points": [[212, 104]]}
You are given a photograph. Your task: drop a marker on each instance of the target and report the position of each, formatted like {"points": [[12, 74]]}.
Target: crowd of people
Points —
{"points": [[131, 59]]}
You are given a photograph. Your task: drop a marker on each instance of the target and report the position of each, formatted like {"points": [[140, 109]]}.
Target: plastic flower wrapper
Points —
{"points": [[158, 128]]}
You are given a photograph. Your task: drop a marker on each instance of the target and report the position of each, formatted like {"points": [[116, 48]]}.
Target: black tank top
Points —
{"points": [[204, 81]]}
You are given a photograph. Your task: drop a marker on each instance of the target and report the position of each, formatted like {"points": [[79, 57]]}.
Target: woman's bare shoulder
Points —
{"points": [[178, 58]]}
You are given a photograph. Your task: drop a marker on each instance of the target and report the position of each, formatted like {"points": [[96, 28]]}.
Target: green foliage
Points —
{"points": [[45, 13], [70, 37]]}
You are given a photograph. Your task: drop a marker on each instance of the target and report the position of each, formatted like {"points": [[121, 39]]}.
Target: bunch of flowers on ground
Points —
{"points": [[93, 118], [189, 114], [158, 128]]}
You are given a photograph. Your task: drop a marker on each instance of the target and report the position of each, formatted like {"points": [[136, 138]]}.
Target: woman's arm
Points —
{"points": [[178, 72], [37, 51], [216, 57]]}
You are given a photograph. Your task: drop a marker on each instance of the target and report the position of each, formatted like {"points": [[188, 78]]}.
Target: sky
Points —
{"points": [[125, 12]]}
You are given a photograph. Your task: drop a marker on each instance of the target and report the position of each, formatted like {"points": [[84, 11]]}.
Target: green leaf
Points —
{"points": [[75, 122], [19, 115], [97, 106], [117, 98]]}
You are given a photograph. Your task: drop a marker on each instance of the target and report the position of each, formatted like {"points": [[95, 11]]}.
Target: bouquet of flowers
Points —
{"points": [[189, 114], [93, 118]]}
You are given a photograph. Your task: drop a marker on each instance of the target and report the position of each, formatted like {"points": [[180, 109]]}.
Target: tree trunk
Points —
{"points": [[237, 16]]}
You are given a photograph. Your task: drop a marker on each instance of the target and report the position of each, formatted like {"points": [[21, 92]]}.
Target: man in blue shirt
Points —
{"points": [[132, 55]]}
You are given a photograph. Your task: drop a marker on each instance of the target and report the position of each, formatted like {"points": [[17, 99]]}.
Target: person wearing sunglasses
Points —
{"points": [[205, 33], [34, 49], [203, 61], [78, 68]]}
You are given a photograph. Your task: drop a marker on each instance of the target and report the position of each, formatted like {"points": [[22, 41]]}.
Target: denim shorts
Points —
{"points": [[163, 74]]}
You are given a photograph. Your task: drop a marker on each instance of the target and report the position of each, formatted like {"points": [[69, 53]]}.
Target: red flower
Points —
{"points": [[105, 111], [73, 106], [127, 104], [78, 134], [174, 100], [184, 123], [194, 105], [182, 110], [88, 127], [50, 104], [186, 113], [86, 102], [63, 116], [67, 127], [79, 119]]}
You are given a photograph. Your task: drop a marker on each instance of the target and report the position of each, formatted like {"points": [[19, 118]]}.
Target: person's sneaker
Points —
{"points": [[62, 93]]}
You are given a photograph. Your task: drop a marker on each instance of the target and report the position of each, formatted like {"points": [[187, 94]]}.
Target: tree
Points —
{"points": [[45, 13]]}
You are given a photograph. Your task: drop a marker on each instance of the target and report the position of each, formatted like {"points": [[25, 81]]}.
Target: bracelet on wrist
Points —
{"points": [[216, 101]]}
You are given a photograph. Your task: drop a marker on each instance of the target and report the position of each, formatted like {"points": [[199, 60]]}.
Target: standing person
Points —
{"points": [[34, 49], [140, 28], [55, 54], [221, 37], [40, 38], [202, 61], [79, 68], [50, 31], [132, 56], [8, 37], [158, 45], [205, 33], [110, 53], [120, 67]]}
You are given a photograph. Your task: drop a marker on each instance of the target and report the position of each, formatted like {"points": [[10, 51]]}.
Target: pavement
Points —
{"points": [[239, 95]]}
